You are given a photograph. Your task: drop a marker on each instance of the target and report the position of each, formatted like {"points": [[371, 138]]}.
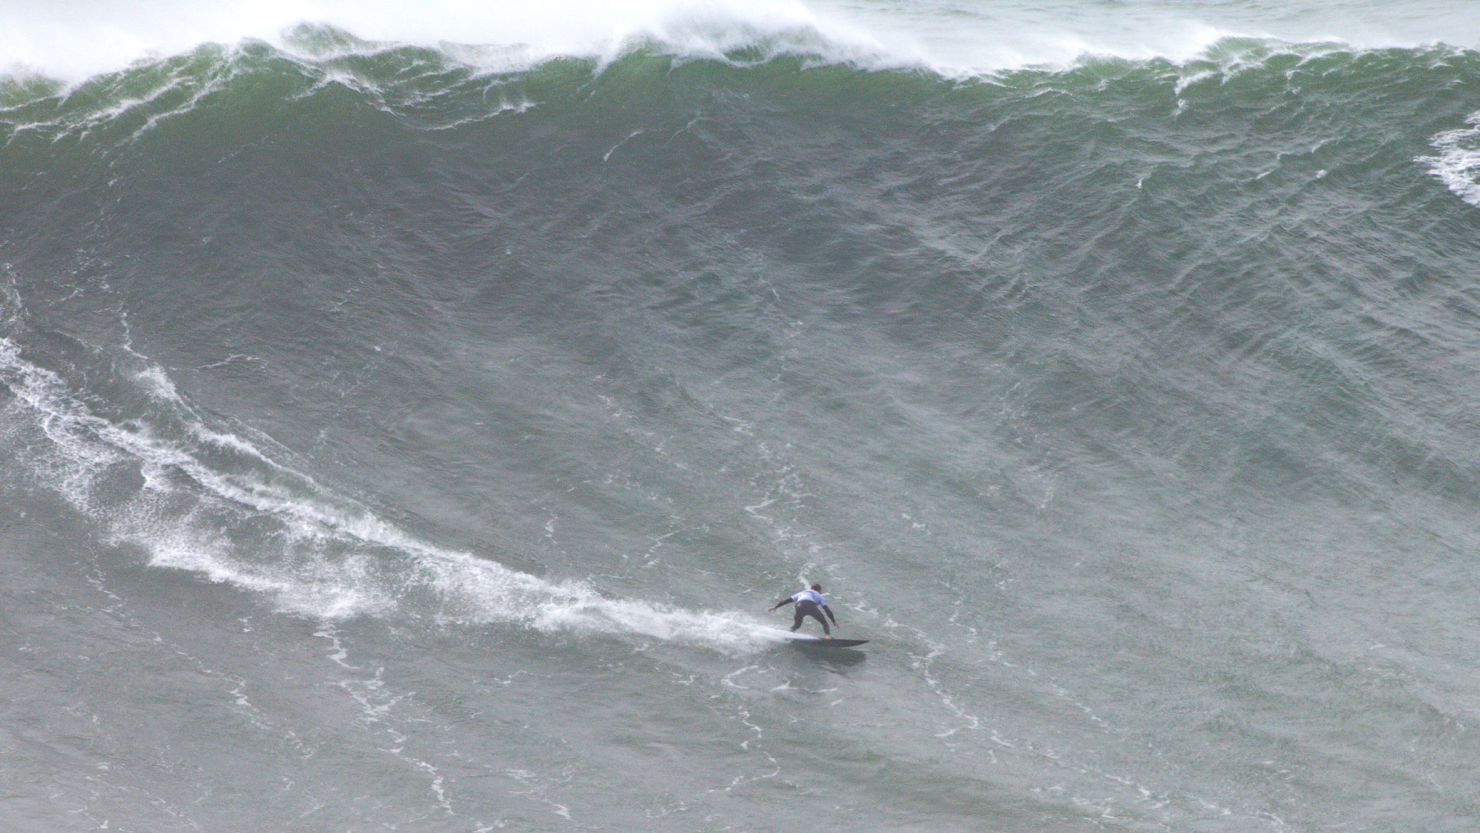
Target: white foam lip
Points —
{"points": [[511, 35], [944, 36]]}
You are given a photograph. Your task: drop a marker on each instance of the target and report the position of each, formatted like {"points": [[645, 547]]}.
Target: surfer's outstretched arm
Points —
{"points": [[828, 611], [784, 602]]}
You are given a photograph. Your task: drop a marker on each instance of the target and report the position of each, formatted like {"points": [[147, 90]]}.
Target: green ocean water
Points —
{"points": [[395, 443]]}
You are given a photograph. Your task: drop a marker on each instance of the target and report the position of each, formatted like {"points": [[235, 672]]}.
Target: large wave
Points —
{"points": [[622, 141], [453, 86]]}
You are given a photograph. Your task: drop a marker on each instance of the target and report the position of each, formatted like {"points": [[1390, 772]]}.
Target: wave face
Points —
{"points": [[390, 402]]}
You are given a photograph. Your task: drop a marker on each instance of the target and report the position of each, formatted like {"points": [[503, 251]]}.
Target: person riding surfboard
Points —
{"points": [[809, 602]]}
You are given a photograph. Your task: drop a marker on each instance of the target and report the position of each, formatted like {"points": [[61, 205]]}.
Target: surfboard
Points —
{"points": [[817, 642]]}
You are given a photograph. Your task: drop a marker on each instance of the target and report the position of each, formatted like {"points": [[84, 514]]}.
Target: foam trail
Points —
{"points": [[334, 558], [945, 36]]}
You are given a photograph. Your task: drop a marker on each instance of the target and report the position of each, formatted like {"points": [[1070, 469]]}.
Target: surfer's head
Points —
{"points": [[817, 587]]}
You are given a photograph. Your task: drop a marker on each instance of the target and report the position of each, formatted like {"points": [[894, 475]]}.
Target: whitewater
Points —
{"points": [[407, 416], [950, 38]]}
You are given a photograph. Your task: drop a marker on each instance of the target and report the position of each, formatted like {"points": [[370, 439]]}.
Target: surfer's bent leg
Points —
{"points": [[805, 608], [817, 614]]}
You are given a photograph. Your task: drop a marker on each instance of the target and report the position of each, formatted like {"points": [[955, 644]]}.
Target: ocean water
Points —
{"points": [[408, 415]]}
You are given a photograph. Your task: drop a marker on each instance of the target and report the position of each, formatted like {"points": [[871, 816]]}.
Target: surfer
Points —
{"points": [[812, 603]]}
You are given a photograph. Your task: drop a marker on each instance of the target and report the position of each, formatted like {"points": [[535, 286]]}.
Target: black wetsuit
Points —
{"points": [[807, 607]]}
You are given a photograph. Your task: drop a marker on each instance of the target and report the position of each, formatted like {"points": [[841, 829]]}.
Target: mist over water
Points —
{"points": [[406, 425], [74, 40]]}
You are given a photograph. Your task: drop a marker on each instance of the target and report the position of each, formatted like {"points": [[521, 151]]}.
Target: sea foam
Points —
{"points": [[323, 555], [1458, 162], [944, 37]]}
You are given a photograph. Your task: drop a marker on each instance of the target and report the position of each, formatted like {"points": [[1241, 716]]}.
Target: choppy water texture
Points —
{"points": [[410, 436]]}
